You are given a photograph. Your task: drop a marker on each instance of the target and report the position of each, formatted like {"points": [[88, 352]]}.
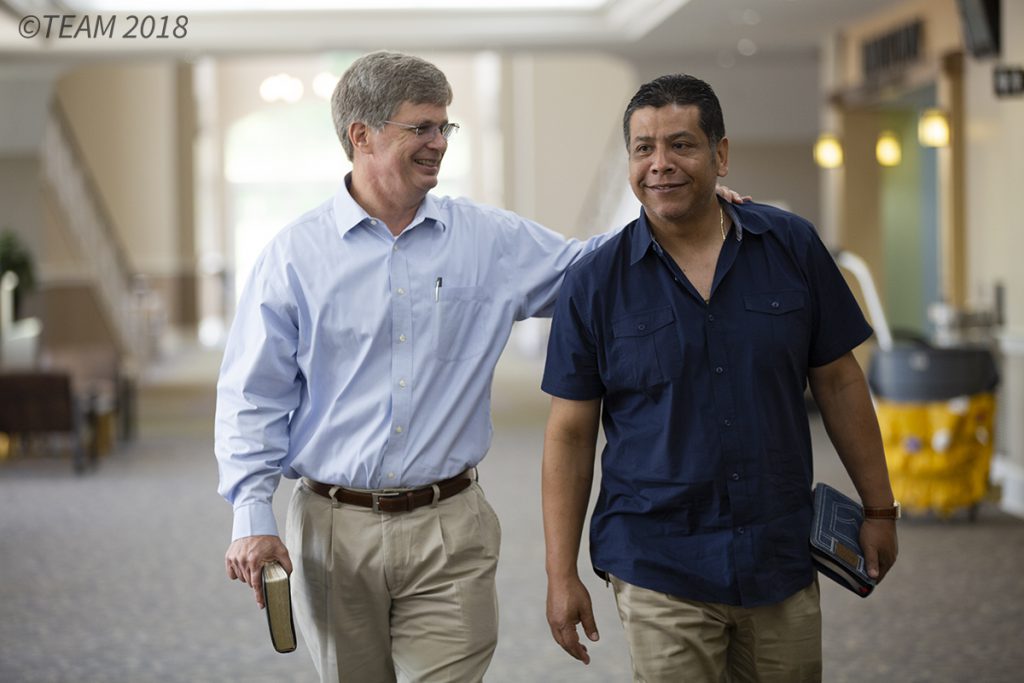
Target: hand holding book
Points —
{"points": [[835, 540], [246, 556], [878, 540]]}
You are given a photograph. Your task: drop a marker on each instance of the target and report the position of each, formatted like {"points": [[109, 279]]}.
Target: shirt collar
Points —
{"points": [[642, 239], [348, 214]]}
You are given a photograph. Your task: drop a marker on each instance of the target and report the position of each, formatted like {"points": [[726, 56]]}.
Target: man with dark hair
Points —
{"points": [[691, 335], [360, 361]]}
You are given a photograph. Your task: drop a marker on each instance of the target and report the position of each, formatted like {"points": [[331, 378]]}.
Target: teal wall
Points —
{"points": [[910, 228], [902, 228]]}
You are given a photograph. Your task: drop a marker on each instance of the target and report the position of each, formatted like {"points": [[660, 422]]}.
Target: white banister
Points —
{"points": [[120, 294]]}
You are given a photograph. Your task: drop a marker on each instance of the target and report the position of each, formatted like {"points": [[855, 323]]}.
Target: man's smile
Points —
{"points": [[663, 187]]}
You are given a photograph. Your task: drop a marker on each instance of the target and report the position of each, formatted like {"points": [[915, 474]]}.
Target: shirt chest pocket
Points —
{"points": [[460, 319], [646, 349], [777, 326]]}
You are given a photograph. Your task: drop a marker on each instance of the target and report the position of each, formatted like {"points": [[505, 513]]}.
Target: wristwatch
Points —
{"points": [[892, 513]]}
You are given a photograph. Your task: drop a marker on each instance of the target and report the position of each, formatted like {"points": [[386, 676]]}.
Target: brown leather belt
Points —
{"points": [[394, 501]]}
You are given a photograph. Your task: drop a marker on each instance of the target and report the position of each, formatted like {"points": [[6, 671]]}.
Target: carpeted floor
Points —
{"points": [[117, 576]]}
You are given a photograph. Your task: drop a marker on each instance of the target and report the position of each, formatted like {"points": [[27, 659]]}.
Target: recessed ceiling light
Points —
{"points": [[750, 17], [324, 83]]}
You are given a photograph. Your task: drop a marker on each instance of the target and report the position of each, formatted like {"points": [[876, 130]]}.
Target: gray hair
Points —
{"points": [[377, 84]]}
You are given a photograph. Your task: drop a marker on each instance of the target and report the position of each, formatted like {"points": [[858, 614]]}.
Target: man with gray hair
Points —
{"points": [[360, 361]]}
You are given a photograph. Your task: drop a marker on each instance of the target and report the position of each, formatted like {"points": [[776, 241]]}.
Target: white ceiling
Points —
{"points": [[636, 28]]}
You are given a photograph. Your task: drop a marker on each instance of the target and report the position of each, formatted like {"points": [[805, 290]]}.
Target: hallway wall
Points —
{"points": [[123, 116], [127, 119], [559, 112], [995, 150], [25, 93], [19, 185]]}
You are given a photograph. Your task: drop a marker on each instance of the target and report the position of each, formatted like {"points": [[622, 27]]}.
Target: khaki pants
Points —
{"points": [[672, 640], [403, 596]]}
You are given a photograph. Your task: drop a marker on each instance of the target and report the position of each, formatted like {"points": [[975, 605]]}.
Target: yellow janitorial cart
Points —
{"points": [[936, 409]]}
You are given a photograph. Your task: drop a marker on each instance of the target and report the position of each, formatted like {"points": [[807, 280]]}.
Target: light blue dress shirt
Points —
{"points": [[364, 360]]}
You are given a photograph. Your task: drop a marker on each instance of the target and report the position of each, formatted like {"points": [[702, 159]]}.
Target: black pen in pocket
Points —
{"points": [[437, 290]]}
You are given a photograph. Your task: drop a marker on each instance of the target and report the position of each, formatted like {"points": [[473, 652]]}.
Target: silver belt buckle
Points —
{"points": [[375, 497]]}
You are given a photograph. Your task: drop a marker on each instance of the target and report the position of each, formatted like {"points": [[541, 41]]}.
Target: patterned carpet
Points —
{"points": [[117, 576]]}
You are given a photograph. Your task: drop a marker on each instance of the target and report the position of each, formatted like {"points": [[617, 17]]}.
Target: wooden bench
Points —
{"points": [[35, 403]]}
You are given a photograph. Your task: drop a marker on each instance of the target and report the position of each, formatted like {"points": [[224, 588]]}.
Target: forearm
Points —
{"points": [[845, 402], [566, 481], [250, 471], [250, 444], [849, 417]]}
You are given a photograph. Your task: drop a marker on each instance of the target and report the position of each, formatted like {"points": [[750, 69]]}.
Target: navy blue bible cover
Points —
{"points": [[835, 548]]}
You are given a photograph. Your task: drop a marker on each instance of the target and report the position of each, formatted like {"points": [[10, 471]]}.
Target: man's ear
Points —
{"points": [[359, 136], [722, 157]]}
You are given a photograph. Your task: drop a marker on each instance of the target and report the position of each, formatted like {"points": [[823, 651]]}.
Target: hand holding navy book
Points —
{"points": [[835, 546]]}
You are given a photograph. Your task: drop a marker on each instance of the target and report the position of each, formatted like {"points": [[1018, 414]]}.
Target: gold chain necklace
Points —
{"points": [[721, 221]]}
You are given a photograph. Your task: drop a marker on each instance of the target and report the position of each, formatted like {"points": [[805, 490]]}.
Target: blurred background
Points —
{"points": [[148, 151]]}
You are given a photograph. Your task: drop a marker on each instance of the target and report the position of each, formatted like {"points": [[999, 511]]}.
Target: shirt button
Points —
{"points": [[398, 430], [735, 476], [727, 422], [401, 291], [641, 327], [741, 530], [401, 383], [711, 318], [394, 248], [373, 221], [775, 304], [401, 338], [391, 475], [719, 370]]}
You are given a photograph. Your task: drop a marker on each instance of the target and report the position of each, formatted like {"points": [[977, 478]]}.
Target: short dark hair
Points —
{"points": [[682, 90]]}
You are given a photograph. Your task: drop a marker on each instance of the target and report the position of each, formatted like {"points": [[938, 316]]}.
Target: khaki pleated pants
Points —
{"points": [[673, 640], [382, 597]]}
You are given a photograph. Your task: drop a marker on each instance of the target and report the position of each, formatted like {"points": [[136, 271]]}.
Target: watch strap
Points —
{"points": [[892, 513]]}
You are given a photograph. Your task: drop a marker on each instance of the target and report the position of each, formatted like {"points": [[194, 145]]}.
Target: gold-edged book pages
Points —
{"points": [[277, 595]]}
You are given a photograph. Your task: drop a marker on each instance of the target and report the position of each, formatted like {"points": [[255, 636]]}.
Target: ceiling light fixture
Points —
{"points": [[933, 128], [888, 151], [746, 47], [281, 87], [828, 152], [324, 83]]}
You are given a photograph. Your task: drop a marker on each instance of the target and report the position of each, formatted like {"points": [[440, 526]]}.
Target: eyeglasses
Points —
{"points": [[446, 129]]}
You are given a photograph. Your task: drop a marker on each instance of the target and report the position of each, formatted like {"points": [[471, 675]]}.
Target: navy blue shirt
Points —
{"points": [[706, 476]]}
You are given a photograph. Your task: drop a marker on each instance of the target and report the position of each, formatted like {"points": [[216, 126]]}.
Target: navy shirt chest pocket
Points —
{"points": [[777, 325], [646, 349]]}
